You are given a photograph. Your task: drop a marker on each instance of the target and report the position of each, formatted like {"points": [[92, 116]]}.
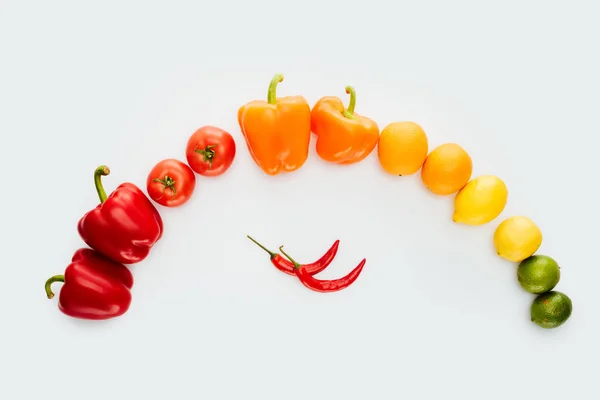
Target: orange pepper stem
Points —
{"points": [[272, 94], [349, 112]]}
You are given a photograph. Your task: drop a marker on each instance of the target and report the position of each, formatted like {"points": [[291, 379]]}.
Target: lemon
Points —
{"points": [[480, 201], [538, 274], [551, 310], [517, 238]]}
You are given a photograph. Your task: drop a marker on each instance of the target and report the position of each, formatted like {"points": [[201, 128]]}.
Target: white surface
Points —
{"points": [[434, 315]]}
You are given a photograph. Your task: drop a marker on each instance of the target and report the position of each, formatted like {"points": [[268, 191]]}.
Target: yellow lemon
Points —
{"points": [[517, 238], [480, 201]]}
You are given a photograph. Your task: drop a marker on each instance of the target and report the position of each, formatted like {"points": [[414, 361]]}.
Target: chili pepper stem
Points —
{"points": [[272, 254], [272, 93], [101, 171], [50, 281], [296, 264], [349, 112]]}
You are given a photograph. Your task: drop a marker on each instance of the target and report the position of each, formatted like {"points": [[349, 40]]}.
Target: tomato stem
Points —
{"points": [[349, 112], [168, 182], [272, 254], [50, 281], [296, 264], [98, 174], [208, 153], [272, 93]]}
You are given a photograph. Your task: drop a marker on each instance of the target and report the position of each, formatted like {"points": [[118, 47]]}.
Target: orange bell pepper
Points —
{"points": [[277, 131], [343, 137]]}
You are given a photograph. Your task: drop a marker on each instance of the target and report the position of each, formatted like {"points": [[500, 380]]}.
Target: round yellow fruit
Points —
{"points": [[517, 238], [480, 201]]}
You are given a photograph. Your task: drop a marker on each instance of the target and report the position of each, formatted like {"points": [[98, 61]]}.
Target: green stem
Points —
{"points": [[98, 174], [272, 94], [296, 264], [50, 281], [262, 247], [168, 182], [349, 112], [208, 153]]}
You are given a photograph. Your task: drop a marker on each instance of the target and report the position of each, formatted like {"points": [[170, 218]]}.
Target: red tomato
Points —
{"points": [[210, 151], [171, 183]]}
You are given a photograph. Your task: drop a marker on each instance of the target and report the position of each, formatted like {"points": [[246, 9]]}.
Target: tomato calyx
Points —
{"points": [[168, 182], [208, 153]]}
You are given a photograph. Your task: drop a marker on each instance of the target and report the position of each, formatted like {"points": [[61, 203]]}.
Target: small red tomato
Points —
{"points": [[171, 183], [210, 151]]}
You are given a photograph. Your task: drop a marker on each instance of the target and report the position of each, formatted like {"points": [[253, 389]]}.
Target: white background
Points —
{"points": [[435, 314]]}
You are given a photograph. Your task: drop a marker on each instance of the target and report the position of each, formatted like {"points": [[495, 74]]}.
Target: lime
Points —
{"points": [[551, 310], [538, 274], [517, 238]]}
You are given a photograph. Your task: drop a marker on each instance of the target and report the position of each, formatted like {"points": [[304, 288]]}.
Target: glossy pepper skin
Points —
{"points": [[124, 226], [313, 268], [343, 137], [324, 285], [276, 131], [94, 287]]}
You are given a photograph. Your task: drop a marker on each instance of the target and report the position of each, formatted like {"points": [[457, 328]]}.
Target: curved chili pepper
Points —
{"points": [[324, 286], [313, 268]]}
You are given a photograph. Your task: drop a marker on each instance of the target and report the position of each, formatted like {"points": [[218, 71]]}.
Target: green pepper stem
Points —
{"points": [[349, 112], [50, 281], [272, 94], [272, 254], [98, 174], [296, 264]]}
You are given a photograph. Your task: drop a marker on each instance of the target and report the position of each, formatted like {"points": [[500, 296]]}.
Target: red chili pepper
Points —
{"points": [[94, 287], [124, 226], [324, 286], [313, 268]]}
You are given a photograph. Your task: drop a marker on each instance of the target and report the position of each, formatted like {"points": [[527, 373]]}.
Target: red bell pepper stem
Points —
{"points": [[313, 268], [349, 112], [50, 281], [272, 93], [324, 286], [101, 171]]}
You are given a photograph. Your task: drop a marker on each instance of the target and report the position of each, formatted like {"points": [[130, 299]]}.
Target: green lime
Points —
{"points": [[538, 274], [551, 310]]}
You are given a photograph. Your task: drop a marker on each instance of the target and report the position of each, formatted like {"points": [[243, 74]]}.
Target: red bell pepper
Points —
{"points": [[124, 226], [94, 287]]}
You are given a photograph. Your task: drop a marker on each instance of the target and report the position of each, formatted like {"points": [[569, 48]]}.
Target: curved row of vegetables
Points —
{"points": [[124, 227]]}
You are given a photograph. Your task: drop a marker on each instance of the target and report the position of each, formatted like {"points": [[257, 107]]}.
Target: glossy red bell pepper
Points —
{"points": [[124, 226], [94, 287]]}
